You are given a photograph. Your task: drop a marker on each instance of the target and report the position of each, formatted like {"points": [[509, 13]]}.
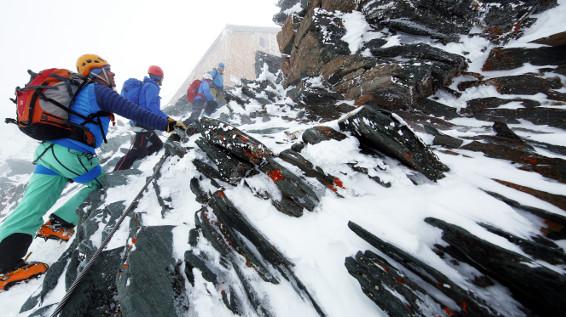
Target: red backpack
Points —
{"points": [[43, 106], [192, 91]]}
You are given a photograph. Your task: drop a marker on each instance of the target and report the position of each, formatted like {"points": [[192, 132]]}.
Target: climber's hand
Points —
{"points": [[172, 124]]}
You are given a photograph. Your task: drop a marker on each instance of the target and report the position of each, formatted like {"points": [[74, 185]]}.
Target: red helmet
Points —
{"points": [[155, 71]]}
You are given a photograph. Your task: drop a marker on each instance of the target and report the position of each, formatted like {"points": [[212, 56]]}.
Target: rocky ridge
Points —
{"points": [[206, 232]]}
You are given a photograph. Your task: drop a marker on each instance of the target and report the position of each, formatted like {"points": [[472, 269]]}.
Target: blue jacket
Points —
{"points": [[149, 97], [96, 97], [204, 90], [217, 78]]}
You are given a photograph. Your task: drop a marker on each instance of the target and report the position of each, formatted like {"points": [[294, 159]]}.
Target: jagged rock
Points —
{"points": [[558, 39], [230, 233], [200, 195], [286, 37], [550, 167], [444, 65], [193, 261], [555, 224], [237, 143], [501, 20], [296, 195], [285, 5], [487, 109], [435, 108], [338, 5], [435, 19], [447, 141], [318, 40], [537, 287], [151, 264], [319, 134], [480, 104], [273, 62], [526, 84], [554, 199], [335, 69], [230, 168], [538, 247], [384, 132], [503, 131], [398, 85], [365, 170], [292, 157], [509, 58], [469, 304], [390, 289]]}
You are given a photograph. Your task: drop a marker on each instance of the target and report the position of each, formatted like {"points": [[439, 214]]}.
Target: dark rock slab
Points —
{"points": [[232, 234], [445, 65], [536, 287], [331, 182], [524, 84], [319, 134], [318, 40], [235, 141], [152, 264], [558, 39], [447, 141], [509, 58], [469, 304], [435, 108], [296, 194], [538, 248], [554, 168], [390, 289], [286, 37], [502, 130], [487, 109], [382, 131], [555, 224], [554, 199], [443, 19], [231, 169]]}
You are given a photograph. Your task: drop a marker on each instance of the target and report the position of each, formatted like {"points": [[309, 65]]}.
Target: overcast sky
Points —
{"points": [[129, 34]]}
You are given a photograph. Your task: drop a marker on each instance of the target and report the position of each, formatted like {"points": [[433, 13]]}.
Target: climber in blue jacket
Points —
{"points": [[146, 141], [204, 99], [217, 75], [62, 160]]}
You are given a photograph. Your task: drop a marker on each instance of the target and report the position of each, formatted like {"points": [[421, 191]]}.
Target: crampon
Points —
{"points": [[52, 230], [22, 274]]}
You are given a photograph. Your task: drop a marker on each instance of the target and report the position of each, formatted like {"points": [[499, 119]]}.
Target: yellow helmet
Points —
{"points": [[88, 62]]}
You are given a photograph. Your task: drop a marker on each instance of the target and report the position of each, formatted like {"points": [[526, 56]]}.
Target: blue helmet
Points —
{"points": [[221, 65]]}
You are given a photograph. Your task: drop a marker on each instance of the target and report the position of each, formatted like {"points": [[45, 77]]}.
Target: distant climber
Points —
{"points": [[217, 86], [60, 161], [203, 100], [145, 94]]}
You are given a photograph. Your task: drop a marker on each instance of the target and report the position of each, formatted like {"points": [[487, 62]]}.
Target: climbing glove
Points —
{"points": [[172, 124]]}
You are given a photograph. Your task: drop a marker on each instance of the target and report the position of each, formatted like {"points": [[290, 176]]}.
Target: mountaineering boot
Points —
{"points": [[24, 272], [57, 229]]}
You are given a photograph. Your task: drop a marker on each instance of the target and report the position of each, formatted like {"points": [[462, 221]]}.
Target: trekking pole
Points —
{"points": [[131, 207]]}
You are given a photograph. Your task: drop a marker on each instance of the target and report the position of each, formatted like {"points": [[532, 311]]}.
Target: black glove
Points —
{"points": [[172, 124]]}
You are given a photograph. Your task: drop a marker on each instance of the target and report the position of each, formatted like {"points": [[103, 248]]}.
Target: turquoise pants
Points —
{"points": [[44, 189]]}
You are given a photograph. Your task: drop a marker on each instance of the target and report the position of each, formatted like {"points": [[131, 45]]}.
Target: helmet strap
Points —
{"points": [[105, 79]]}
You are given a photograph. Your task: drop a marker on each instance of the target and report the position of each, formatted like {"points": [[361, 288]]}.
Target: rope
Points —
{"points": [[90, 262]]}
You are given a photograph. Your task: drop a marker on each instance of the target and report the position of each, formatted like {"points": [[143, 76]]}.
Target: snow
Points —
{"points": [[548, 23], [356, 26], [319, 241]]}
